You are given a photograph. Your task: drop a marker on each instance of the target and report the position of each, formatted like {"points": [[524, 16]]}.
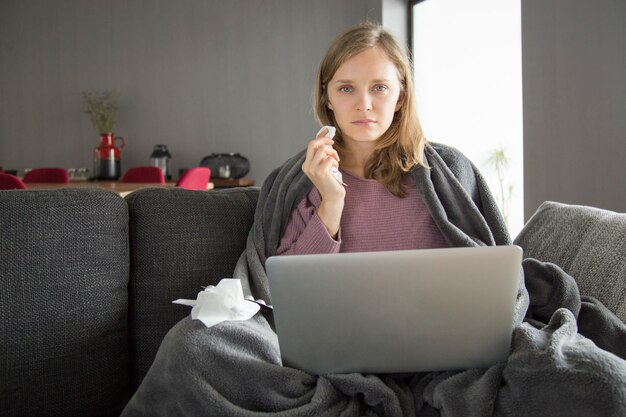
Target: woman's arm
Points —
{"points": [[321, 159], [305, 232]]}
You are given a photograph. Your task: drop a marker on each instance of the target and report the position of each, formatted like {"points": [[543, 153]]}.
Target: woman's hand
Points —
{"points": [[321, 158]]}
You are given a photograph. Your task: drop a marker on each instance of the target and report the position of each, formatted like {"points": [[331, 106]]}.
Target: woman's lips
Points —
{"points": [[363, 122]]}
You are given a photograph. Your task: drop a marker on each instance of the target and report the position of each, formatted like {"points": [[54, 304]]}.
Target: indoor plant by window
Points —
{"points": [[499, 160]]}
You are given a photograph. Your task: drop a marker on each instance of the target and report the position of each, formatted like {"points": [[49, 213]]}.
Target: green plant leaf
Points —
{"points": [[101, 106]]}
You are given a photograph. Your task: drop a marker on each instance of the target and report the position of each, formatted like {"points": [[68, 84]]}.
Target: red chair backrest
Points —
{"points": [[57, 175], [144, 174], [11, 182], [195, 178]]}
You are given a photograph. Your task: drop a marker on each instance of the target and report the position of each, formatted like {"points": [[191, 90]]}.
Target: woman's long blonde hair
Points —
{"points": [[402, 146]]}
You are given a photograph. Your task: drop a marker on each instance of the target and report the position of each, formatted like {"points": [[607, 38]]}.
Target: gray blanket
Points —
{"points": [[234, 368]]}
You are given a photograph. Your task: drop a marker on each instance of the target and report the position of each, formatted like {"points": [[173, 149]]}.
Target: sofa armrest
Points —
{"points": [[586, 242]]}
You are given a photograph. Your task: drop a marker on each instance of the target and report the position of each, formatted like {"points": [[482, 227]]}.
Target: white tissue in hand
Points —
{"points": [[331, 134], [337, 174], [331, 131], [219, 303]]}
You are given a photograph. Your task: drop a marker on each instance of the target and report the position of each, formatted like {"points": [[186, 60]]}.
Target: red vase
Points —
{"points": [[106, 157]]}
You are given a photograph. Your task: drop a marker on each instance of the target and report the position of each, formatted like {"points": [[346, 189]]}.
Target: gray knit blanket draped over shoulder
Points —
{"points": [[234, 368]]}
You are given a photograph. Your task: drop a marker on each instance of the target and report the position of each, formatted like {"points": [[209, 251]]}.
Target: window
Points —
{"points": [[468, 82]]}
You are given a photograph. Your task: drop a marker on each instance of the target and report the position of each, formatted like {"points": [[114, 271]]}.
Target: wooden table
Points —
{"points": [[232, 182], [122, 188]]}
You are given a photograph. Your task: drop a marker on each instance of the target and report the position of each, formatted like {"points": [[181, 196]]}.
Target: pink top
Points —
{"points": [[373, 219]]}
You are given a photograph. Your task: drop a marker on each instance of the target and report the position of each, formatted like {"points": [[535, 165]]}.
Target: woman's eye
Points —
{"points": [[380, 87], [345, 89]]}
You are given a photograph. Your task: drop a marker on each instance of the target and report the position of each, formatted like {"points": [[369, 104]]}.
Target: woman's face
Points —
{"points": [[364, 94]]}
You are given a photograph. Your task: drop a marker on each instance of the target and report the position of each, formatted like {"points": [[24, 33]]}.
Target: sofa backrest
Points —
{"points": [[181, 240], [64, 268], [586, 242]]}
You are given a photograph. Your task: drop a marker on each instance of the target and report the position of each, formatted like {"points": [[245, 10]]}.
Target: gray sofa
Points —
{"points": [[87, 280]]}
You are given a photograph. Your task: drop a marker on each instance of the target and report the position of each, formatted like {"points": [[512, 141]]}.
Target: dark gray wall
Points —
{"points": [[201, 76], [574, 76]]}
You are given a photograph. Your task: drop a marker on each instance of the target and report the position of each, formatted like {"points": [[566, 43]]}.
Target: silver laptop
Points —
{"points": [[400, 311]]}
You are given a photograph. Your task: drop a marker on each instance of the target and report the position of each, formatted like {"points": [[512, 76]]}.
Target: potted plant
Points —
{"points": [[101, 106], [499, 160]]}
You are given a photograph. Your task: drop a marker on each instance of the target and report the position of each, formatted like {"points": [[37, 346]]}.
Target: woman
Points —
{"points": [[364, 88], [428, 196]]}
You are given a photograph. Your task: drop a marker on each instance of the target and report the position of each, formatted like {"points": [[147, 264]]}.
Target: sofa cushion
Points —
{"points": [[63, 303], [588, 243], [180, 241]]}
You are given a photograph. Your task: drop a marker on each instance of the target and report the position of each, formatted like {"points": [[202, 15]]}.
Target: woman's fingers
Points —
{"points": [[319, 170], [317, 150], [324, 132], [333, 153], [315, 144], [321, 159], [322, 153], [327, 165]]}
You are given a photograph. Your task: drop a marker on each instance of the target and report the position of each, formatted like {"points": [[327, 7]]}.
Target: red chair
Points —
{"points": [[11, 182], [56, 175], [144, 174], [195, 178]]}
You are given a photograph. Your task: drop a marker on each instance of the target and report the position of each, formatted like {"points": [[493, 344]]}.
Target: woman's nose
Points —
{"points": [[363, 102]]}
